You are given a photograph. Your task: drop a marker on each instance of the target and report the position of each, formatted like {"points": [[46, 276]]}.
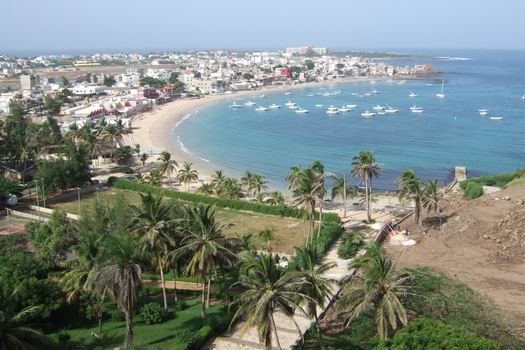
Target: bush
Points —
{"points": [[434, 334], [221, 321], [153, 313], [500, 180], [279, 210], [473, 190], [350, 245]]}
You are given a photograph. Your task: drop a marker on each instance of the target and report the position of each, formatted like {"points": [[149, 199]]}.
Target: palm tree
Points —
{"points": [[143, 158], [259, 184], [247, 181], [364, 166], [16, 329], [266, 289], [206, 247], [206, 189], [294, 177], [431, 198], [217, 178], [112, 134], [305, 195], [410, 189], [152, 221], [341, 189], [167, 165], [230, 188], [267, 235], [380, 287], [276, 198], [122, 275], [318, 287], [155, 177], [187, 174]]}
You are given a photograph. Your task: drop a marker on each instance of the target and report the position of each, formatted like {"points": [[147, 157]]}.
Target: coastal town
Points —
{"points": [[79, 89]]}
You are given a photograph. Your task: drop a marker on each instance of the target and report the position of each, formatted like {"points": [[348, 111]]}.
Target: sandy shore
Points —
{"points": [[153, 130]]}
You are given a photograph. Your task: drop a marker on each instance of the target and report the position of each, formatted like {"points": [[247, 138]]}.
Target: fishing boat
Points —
{"points": [[367, 94], [249, 103], [290, 103], [381, 113], [391, 110], [523, 97], [274, 106], [310, 95], [374, 92], [378, 108], [368, 114], [287, 93], [319, 105], [401, 82], [496, 118], [234, 105], [344, 109], [355, 93], [483, 110], [484, 113], [351, 106], [332, 110], [301, 110], [412, 94], [294, 106], [261, 109], [416, 109], [441, 94]]}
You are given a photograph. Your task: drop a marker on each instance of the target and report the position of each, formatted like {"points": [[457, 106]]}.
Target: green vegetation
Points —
{"points": [[365, 168], [109, 80], [350, 245], [152, 82], [474, 190], [434, 334], [473, 187], [218, 202]]}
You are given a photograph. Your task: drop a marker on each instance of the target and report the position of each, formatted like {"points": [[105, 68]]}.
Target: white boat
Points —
{"points": [[344, 109], [235, 105], [378, 108], [367, 94], [301, 110], [368, 114], [274, 106], [391, 110], [417, 110], [441, 94], [261, 109], [390, 81], [287, 93], [351, 106], [319, 105], [294, 106], [401, 82], [355, 93], [310, 95], [372, 82], [290, 103], [484, 113], [412, 94], [249, 103], [381, 113], [361, 96], [483, 110], [496, 118], [374, 92], [523, 97], [332, 112]]}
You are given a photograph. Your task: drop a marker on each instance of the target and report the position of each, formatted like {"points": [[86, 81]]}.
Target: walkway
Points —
{"points": [[287, 331]]}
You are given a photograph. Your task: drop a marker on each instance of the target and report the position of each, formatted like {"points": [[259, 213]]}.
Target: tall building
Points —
{"points": [[306, 49], [29, 82]]}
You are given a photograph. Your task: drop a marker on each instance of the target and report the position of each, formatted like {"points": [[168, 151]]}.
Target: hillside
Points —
{"points": [[481, 243]]}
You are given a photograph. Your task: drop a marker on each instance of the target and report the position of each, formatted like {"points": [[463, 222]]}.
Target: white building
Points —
{"points": [[5, 100], [85, 89]]}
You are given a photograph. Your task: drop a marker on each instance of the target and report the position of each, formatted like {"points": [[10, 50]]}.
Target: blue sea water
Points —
{"points": [[449, 132]]}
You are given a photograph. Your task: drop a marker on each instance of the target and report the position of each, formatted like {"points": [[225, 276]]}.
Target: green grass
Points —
{"points": [[500, 180], [166, 335], [287, 232], [169, 277]]}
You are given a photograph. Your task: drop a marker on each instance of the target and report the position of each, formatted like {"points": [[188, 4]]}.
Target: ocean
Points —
{"points": [[448, 133]]}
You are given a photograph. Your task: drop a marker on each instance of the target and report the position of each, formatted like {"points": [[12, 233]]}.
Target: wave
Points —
{"points": [[446, 58], [186, 117], [182, 147]]}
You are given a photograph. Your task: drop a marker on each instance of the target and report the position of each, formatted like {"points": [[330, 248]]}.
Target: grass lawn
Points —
{"points": [[287, 232], [170, 334]]}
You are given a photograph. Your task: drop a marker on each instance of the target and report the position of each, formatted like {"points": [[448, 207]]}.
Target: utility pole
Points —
{"points": [[37, 200], [78, 191], [43, 193]]}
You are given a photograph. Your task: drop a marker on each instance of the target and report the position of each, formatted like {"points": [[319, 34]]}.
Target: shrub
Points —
{"points": [[350, 245], [221, 321], [279, 210], [473, 190], [153, 313], [434, 334]]}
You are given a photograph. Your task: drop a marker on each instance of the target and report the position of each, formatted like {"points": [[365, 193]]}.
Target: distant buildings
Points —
{"points": [[306, 50], [29, 82]]}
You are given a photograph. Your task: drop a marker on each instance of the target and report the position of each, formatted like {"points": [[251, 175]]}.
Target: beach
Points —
{"points": [[153, 130]]}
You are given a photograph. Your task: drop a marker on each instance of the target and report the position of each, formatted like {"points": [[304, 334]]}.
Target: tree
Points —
{"points": [[174, 77], [266, 289], [13, 131], [253, 183], [206, 247], [143, 158], [276, 198], [152, 221], [364, 167], [248, 76], [187, 174], [317, 287], [152, 82], [121, 273], [65, 82], [378, 287], [16, 328], [267, 235], [205, 189], [341, 189], [167, 165], [52, 105], [305, 195], [294, 177], [309, 64], [109, 80], [431, 198], [410, 189]]}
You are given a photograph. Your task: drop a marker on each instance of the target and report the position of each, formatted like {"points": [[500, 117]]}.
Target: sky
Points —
{"points": [[61, 26]]}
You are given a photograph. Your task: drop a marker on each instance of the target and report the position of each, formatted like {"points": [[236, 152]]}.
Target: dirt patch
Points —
{"points": [[482, 243]]}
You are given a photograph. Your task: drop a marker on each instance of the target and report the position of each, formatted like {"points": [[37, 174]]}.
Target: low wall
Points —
{"points": [[50, 211], [29, 216]]}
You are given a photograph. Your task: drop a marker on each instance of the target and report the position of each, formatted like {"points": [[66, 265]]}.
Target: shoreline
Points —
{"points": [[153, 130]]}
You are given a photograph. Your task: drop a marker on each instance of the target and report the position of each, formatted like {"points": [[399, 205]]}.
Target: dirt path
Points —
{"points": [[171, 285]]}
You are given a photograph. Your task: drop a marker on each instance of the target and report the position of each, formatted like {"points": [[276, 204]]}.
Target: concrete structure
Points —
{"points": [[29, 82]]}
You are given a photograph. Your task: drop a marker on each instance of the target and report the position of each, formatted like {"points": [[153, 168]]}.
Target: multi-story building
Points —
{"points": [[29, 81]]}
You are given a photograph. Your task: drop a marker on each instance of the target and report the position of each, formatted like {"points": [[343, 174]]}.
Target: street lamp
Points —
{"points": [[8, 222], [37, 200], [43, 193]]}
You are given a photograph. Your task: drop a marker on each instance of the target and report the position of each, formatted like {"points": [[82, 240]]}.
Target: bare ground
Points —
{"points": [[481, 243]]}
